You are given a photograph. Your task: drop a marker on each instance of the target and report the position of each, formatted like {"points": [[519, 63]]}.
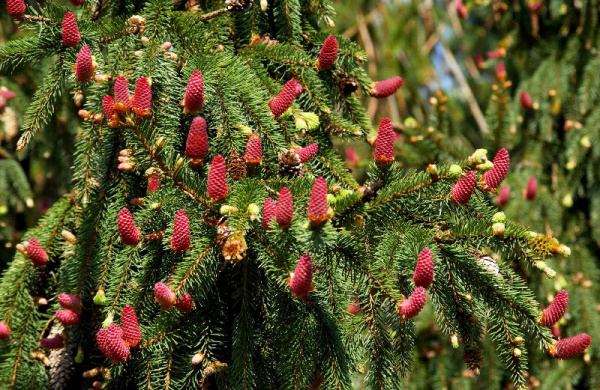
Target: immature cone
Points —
{"points": [[531, 191], [307, 152], [36, 253], [142, 97], [217, 179], [185, 303], [110, 114], [110, 341], [122, 96], [67, 317], [164, 296], [253, 155], [52, 343], [194, 93], [423, 276], [269, 211], [571, 347], [70, 302], [301, 280], [77, 2], [354, 307], [328, 54], [131, 328], [504, 195], [461, 10], [501, 74], [557, 309], [494, 177], [16, 8], [385, 88], [153, 182], [196, 146], [4, 330], [129, 233], [351, 157], [181, 240], [317, 205], [525, 99], [286, 97], [384, 143], [285, 208], [413, 305], [84, 67], [70, 32], [463, 189]]}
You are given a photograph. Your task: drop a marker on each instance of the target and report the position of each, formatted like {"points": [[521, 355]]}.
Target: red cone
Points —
{"points": [[307, 152], [196, 146], [384, 143], [110, 114], [129, 233], [84, 67], [70, 32], [423, 276], [354, 307], [164, 296], [557, 309], [504, 195], [110, 341], [531, 191], [67, 317], [253, 155], [70, 302], [16, 8], [501, 74], [386, 88], [122, 96], [494, 177], [36, 253], [269, 211], [185, 303], [414, 304], [131, 328], [328, 54], [142, 97], [301, 280], [194, 94], [286, 97], [571, 347], [463, 189], [153, 182], [526, 102], [77, 2], [285, 208], [53, 343], [317, 205], [181, 240], [4, 330], [217, 179]]}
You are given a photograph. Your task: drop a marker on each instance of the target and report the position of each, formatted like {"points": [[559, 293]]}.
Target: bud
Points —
{"points": [[432, 170], [197, 358], [455, 171], [454, 341], [68, 236], [253, 209], [585, 142], [498, 229], [100, 297], [227, 209], [478, 157], [517, 352], [499, 217]]}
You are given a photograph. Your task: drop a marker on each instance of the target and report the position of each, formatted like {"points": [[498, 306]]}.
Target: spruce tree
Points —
{"points": [[213, 237]]}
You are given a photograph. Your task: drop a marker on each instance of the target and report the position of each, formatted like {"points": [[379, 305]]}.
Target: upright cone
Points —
{"points": [[16, 8], [384, 143], [495, 176], [131, 327], [269, 211], [307, 152], [285, 208], [181, 240], [194, 93], [571, 347], [142, 97], [557, 309], [301, 280], [414, 304], [84, 67], [70, 31], [196, 146], [122, 95], [129, 233], [385, 88], [317, 205], [111, 343], [164, 296], [36, 253], [463, 189], [253, 155], [217, 179], [286, 97], [423, 276], [328, 53]]}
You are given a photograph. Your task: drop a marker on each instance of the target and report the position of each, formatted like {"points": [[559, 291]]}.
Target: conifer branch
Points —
{"points": [[192, 269]]}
